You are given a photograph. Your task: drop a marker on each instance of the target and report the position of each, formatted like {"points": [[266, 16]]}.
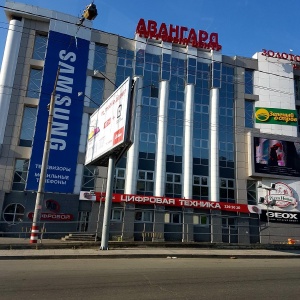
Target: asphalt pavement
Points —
{"points": [[20, 248]]}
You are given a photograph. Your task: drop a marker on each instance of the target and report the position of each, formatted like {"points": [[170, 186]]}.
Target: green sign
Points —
{"points": [[276, 116]]}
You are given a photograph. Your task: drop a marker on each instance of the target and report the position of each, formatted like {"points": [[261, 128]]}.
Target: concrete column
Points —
{"points": [[188, 142], [133, 152], [159, 224], [160, 163], [8, 69]]}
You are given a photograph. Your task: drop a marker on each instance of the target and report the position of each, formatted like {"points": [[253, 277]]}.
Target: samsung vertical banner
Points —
{"points": [[71, 55]]}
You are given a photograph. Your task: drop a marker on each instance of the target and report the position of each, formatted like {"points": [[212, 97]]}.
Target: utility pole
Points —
{"points": [[41, 188]]}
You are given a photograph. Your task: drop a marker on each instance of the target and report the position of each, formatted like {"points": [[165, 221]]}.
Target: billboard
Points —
{"points": [[174, 202], [109, 126], [276, 157], [276, 116], [71, 56]]}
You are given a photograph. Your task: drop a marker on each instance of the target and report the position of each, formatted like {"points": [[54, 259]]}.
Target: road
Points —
{"points": [[150, 279]]}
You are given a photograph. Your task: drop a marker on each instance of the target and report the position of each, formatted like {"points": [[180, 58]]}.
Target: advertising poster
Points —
{"points": [[71, 56], [276, 157], [108, 125]]}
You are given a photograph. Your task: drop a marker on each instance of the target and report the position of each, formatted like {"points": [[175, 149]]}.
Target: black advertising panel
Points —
{"points": [[276, 157], [273, 216]]}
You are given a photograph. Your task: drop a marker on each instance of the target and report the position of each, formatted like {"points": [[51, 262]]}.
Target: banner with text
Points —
{"points": [[71, 56]]}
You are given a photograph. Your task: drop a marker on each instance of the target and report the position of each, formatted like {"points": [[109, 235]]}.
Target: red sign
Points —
{"points": [[286, 56], [53, 217], [178, 202], [178, 35]]}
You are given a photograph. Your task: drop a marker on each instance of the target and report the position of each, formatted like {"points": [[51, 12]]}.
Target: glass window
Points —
{"points": [[34, 83], [298, 113], [14, 213], [297, 87], [20, 174], [88, 180], [100, 58], [144, 216], [119, 184], [40, 45], [249, 114], [251, 192], [249, 81], [227, 190], [97, 92], [116, 214], [145, 182], [201, 220], [28, 126]]}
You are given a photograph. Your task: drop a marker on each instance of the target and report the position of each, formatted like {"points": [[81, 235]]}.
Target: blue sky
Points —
{"points": [[244, 26]]}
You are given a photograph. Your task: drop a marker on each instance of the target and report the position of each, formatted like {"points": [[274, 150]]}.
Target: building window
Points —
{"points": [[144, 216], [227, 190], [177, 105], [200, 220], [34, 83], [119, 180], [173, 217], [249, 81], [249, 114], [13, 213], [28, 126], [148, 137], [173, 185], [200, 187], [297, 87], [174, 140], [20, 175], [298, 114], [251, 192], [116, 215], [40, 45], [100, 58], [88, 180], [145, 183], [97, 92], [150, 101], [229, 222]]}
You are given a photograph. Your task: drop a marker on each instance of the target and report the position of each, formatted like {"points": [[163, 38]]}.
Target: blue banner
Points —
{"points": [[71, 56]]}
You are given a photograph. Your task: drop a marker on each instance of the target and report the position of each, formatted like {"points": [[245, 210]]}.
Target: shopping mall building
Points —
{"points": [[216, 152]]}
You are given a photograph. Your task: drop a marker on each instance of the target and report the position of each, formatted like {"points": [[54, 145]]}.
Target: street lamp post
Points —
{"points": [[41, 188]]}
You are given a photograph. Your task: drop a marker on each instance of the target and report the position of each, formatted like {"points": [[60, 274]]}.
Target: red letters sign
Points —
{"points": [[178, 35], [179, 202], [286, 56]]}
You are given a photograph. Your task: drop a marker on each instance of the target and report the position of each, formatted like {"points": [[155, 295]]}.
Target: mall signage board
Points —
{"points": [[276, 116], [109, 125], [175, 202], [178, 35]]}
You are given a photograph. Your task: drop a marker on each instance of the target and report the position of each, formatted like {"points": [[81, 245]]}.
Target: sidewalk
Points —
{"points": [[173, 253], [18, 248]]}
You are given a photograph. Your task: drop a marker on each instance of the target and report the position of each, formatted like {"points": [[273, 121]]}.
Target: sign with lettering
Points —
{"points": [[276, 116], [109, 124], [178, 35], [71, 56], [45, 216], [295, 59], [178, 202]]}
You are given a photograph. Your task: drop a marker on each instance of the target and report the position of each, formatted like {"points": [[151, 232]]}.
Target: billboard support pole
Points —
{"points": [[108, 202], [41, 188]]}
